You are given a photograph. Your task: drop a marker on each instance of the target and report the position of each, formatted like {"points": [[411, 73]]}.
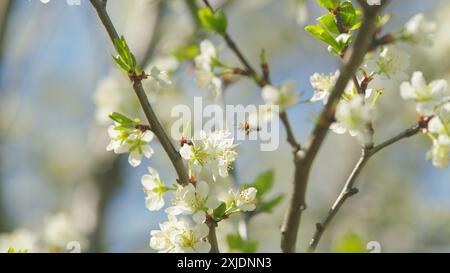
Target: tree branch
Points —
{"points": [[349, 188], [304, 160], [212, 237], [175, 157], [258, 80]]}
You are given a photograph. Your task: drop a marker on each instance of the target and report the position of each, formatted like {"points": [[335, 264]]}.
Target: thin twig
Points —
{"points": [[258, 80], [175, 157], [349, 188], [157, 129], [351, 61]]}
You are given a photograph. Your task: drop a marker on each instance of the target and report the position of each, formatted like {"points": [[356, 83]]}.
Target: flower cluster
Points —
{"points": [[194, 199], [355, 111], [432, 101], [214, 151], [177, 236]]}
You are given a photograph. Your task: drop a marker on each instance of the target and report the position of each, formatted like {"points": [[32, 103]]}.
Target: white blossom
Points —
{"points": [[190, 200], [214, 151], [419, 30], [323, 84], [160, 78], [439, 131], [439, 154], [20, 240], [427, 96], [154, 189], [353, 116], [204, 63], [131, 141], [243, 200], [391, 64], [283, 96], [61, 229], [178, 236]]}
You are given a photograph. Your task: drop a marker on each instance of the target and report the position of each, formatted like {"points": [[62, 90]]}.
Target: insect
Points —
{"points": [[247, 128]]}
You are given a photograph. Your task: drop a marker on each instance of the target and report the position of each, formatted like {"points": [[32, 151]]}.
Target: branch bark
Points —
{"points": [[349, 188], [175, 157], [304, 159]]}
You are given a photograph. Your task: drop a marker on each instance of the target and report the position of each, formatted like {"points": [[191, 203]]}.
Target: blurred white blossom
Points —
{"points": [[178, 236], [427, 96]]}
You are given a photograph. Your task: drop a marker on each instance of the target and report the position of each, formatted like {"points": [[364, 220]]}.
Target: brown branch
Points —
{"points": [[212, 237], [349, 188], [304, 160], [175, 157]]}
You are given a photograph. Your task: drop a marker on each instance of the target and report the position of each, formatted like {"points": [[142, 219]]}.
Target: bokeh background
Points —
{"points": [[58, 183]]}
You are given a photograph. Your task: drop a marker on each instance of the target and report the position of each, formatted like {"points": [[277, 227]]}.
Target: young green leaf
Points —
{"points": [[349, 243], [123, 120], [125, 58], [216, 22], [324, 35], [264, 183], [236, 243], [329, 4], [268, 206], [329, 22], [219, 212]]}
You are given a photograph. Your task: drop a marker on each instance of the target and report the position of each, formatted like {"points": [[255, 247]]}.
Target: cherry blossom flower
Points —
{"points": [[283, 96], [204, 63], [323, 84], [154, 189], [427, 96], [178, 236], [131, 141], [190, 200], [391, 64], [353, 116], [243, 200], [419, 30], [214, 151]]}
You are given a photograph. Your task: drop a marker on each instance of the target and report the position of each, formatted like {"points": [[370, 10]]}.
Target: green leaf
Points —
{"points": [[236, 243], [121, 63], [11, 250], [329, 4], [219, 212], [348, 15], [264, 182], [324, 35], [125, 58], [329, 22], [216, 22], [123, 120], [187, 52], [349, 243], [268, 206]]}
